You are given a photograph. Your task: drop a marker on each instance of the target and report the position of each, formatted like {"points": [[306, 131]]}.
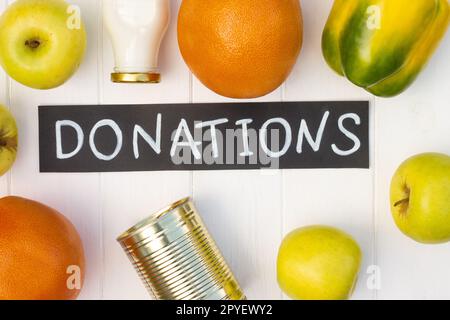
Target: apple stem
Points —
{"points": [[33, 43], [9, 143], [404, 201]]}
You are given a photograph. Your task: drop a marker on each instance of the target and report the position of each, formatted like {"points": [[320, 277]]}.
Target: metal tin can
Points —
{"points": [[176, 257]]}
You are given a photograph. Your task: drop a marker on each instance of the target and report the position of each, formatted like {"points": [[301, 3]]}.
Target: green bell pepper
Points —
{"points": [[382, 45]]}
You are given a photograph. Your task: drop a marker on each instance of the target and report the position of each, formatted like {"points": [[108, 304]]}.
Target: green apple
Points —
{"points": [[8, 140], [318, 263], [420, 198], [42, 42]]}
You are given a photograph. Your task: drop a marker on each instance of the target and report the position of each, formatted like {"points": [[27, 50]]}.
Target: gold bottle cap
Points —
{"points": [[136, 77], [177, 258]]}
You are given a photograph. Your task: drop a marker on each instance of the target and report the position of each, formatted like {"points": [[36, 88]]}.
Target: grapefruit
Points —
{"points": [[240, 48], [40, 253]]}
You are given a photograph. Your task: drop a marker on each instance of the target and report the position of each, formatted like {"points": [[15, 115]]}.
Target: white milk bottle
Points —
{"points": [[136, 28]]}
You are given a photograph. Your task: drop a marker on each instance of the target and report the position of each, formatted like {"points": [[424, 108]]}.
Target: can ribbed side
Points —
{"points": [[177, 259]]}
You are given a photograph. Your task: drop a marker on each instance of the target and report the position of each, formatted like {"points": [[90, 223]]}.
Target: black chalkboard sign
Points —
{"points": [[279, 135]]}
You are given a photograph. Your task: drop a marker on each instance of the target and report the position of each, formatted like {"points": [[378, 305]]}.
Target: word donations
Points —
{"points": [[280, 135]]}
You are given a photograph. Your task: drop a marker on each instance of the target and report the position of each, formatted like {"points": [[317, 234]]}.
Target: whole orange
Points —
{"points": [[240, 48], [41, 253]]}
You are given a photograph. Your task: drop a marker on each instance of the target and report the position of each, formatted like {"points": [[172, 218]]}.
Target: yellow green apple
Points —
{"points": [[8, 140], [420, 198], [42, 42], [318, 263]]}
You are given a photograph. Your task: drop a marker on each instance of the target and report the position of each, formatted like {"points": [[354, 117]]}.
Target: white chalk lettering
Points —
{"points": [[80, 139], [154, 144], [263, 137], [189, 143], [348, 134], [113, 125], [304, 132], [212, 124], [244, 123]]}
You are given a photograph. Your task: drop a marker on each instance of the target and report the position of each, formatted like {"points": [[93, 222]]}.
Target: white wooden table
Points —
{"points": [[247, 212]]}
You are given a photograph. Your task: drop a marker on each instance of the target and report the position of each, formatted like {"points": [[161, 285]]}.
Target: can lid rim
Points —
{"points": [[154, 217]]}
